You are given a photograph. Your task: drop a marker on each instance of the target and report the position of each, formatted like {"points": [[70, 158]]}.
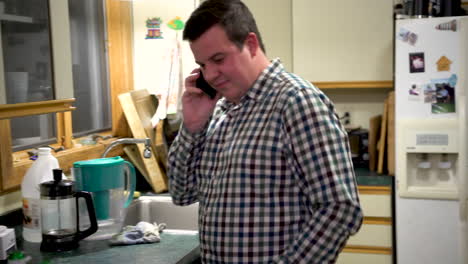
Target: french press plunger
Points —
{"points": [[59, 214]]}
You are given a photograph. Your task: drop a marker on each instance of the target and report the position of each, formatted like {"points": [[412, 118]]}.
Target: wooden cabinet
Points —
{"points": [[374, 243], [334, 44], [343, 43], [361, 258]]}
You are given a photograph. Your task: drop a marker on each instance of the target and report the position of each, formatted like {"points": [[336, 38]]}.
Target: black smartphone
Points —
{"points": [[204, 86]]}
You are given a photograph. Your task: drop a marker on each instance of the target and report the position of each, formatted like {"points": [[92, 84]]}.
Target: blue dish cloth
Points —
{"points": [[141, 233]]}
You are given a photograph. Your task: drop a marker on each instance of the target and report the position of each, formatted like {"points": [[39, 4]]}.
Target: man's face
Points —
{"points": [[224, 66]]}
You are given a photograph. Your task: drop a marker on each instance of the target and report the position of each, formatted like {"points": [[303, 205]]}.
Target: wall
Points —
{"points": [[275, 26], [152, 57], [362, 104]]}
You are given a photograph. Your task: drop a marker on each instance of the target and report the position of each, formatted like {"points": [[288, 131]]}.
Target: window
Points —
{"points": [[120, 71], [27, 56], [90, 78], [28, 39]]}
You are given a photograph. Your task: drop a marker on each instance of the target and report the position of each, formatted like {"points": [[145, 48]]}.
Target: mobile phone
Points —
{"points": [[204, 86]]}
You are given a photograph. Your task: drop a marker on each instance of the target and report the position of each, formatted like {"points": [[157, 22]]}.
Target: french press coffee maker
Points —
{"points": [[59, 214]]}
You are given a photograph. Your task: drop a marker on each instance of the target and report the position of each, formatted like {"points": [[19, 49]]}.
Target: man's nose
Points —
{"points": [[210, 73]]}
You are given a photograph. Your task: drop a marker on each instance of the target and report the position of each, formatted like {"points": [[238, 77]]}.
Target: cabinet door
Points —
{"points": [[343, 41], [360, 258], [274, 20]]}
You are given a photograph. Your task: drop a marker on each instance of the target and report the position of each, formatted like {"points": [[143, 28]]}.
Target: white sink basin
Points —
{"points": [[160, 209]]}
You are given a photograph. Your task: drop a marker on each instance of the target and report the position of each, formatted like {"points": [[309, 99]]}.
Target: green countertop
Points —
{"points": [[173, 248], [365, 177]]}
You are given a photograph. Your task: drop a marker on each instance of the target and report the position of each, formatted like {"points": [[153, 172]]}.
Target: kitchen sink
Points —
{"points": [[160, 209], [178, 219]]}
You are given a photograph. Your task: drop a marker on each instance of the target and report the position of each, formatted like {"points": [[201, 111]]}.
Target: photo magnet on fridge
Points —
{"points": [[416, 61], [414, 92], [407, 36], [429, 93], [445, 96]]}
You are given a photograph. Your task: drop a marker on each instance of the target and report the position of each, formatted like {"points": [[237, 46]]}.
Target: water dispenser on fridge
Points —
{"points": [[428, 158]]}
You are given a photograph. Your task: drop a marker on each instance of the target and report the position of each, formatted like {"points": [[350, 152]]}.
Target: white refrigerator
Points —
{"points": [[431, 67]]}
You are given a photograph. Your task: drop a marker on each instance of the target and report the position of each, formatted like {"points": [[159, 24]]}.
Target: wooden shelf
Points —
{"points": [[354, 84]]}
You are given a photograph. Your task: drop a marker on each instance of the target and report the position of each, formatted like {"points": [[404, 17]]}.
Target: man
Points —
{"points": [[266, 158]]}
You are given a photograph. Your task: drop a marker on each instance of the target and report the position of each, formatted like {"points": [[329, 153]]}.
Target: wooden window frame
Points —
{"points": [[13, 165]]}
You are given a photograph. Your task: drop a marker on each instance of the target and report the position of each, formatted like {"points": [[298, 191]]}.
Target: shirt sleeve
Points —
{"points": [[181, 170], [324, 170]]}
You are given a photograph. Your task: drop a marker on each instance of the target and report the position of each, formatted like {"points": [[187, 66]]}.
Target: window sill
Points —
{"points": [[66, 158], [36, 108]]}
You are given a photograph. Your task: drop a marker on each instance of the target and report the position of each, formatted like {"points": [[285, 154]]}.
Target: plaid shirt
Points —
{"points": [[273, 176]]}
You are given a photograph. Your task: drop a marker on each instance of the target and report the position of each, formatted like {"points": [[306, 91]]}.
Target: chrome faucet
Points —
{"points": [[146, 152]]}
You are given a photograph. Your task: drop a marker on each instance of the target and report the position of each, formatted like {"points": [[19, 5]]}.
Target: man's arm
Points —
{"points": [[197, 108], [181, 171], [324, 171]]}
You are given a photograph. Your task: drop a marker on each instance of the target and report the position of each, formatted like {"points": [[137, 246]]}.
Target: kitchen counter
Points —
{"points": [[174, 247], [365, 177]]}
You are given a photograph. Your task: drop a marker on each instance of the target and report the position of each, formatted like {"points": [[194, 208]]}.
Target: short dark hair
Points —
{"points": [[232, 15]]}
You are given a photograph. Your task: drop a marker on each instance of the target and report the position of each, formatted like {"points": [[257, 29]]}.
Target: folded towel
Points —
{"points": [[143, 232]]}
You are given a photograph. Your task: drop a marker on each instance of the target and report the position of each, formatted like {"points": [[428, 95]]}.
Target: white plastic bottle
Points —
{"points": [[40, 171]]}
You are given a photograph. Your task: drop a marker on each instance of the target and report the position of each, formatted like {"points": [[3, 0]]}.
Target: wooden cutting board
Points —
{"points": [[374, 134], [132, 153], [139, 107], [391, 134], [160, 145], [382, 139]]}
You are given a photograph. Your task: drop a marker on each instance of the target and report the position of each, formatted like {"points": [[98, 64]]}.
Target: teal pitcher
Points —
{"points": [[111, 182]]}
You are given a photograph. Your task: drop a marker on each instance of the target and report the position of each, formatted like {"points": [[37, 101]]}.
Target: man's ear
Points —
{"points": [[251, 43]]}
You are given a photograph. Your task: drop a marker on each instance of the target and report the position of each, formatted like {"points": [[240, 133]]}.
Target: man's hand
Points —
{"points": [[197, 106]]}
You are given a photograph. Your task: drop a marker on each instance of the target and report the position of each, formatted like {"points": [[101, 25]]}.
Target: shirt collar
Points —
{"points": [[260, 87]]}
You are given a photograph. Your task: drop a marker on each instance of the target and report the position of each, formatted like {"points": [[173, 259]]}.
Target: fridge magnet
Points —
{"points": [[451, 26], [414, 92], [416, 61], [445, 96], [453, 80], [154, 28], [403, 34], [412, 38], [429, 94], [443, 64], [176, 24], [407, 36]]}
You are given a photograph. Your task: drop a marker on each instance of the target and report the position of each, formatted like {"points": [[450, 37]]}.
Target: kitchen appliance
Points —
{"points": [[59, 214], [112, 184], [359, 144], [431, 64], [7, 241]]}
